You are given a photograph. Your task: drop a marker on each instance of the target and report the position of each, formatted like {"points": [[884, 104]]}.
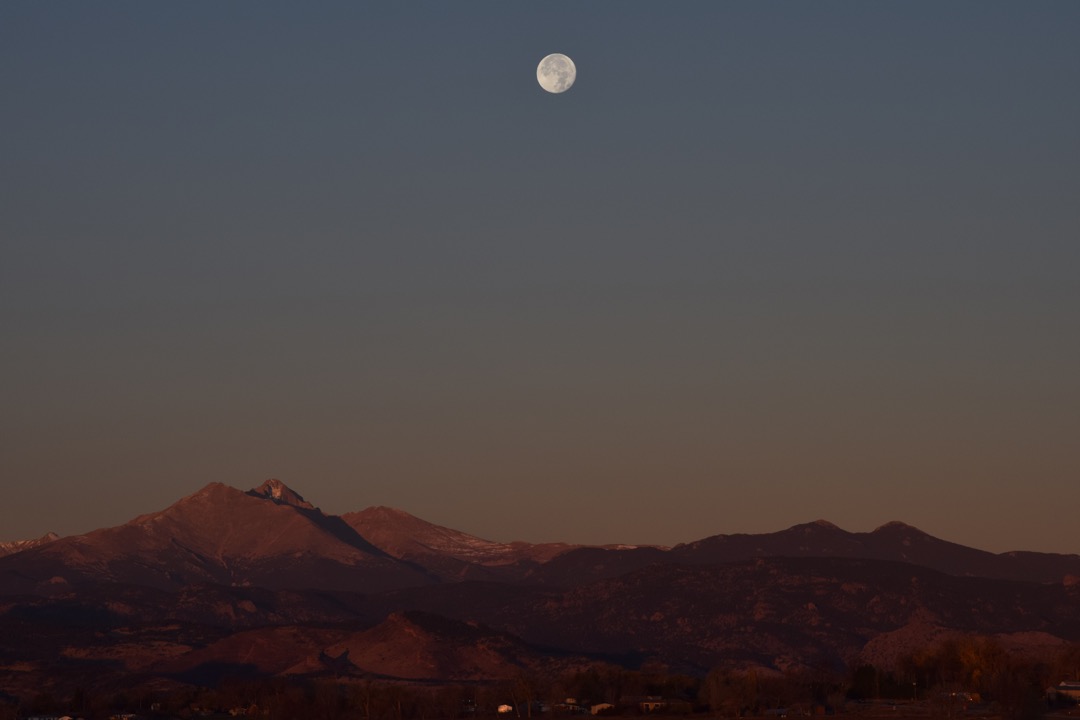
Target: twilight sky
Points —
{"points": [[765, 262]]}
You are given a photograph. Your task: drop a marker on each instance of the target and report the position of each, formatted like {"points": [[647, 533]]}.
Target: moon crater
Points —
{"points": [[556, 73]]}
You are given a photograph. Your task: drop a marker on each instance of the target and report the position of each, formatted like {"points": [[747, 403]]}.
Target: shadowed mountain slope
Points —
{"points": [[893, 542]]}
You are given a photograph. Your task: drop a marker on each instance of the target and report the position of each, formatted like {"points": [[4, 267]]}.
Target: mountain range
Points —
{"points": [[262, 582]]}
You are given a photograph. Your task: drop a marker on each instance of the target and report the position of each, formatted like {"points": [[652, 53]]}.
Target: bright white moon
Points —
{"points": [[556, 73]]}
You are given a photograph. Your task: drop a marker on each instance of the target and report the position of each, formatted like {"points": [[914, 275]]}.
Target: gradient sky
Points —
{"points": [[764, 263]]}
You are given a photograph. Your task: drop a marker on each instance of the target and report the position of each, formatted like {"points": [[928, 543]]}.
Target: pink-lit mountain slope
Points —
{"points": [[451, 554], [10, 548], [268, 537]]}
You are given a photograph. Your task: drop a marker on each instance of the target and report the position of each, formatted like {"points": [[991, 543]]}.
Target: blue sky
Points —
{"points": [[763, 263]]}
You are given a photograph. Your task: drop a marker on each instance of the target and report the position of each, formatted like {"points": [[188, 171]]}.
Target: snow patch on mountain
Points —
{"points": [[14, 546], [407, 536]]}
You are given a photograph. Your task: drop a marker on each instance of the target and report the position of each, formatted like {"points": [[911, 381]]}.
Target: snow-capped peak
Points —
{"points": [[9, 548]]}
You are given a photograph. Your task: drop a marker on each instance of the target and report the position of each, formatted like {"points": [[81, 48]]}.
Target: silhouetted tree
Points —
{"points": [[730, 692], [1020, 694]]}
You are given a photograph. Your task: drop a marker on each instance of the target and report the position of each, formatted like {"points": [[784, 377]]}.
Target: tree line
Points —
{"points": [[947, 678]]}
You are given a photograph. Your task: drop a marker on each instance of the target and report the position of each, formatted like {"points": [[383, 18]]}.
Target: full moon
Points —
{"points": [[556, 73]]}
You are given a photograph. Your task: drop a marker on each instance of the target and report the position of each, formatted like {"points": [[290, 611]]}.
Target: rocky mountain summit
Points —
{"points": [[277, 491]]}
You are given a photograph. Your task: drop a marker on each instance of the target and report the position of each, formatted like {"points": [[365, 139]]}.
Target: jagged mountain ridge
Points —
{"points": [[14, 546]]}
